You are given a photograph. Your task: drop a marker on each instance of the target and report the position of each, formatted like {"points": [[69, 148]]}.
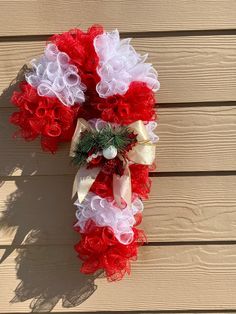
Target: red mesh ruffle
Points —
{"points": [[103, 185], [100, 250], [79, 47], [140, 181], [43, 116], [136, 104]]}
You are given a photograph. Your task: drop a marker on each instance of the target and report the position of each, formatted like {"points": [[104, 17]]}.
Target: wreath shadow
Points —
{"points": [[39, 216]]}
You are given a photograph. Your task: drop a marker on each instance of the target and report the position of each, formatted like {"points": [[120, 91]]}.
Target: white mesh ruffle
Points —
{"points": [[120, 64], [99, 124], [54, 76], [106, 214], [150, 127]]}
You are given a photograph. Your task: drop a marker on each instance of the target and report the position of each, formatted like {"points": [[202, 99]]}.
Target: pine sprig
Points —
{"points": [[116, 136], [121, 137]]}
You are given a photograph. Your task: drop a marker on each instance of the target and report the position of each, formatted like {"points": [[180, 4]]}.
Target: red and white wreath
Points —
{"points": [[93, 89]]}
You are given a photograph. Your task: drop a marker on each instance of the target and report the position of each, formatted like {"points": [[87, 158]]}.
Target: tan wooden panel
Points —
{"points": [[156, 312], [45, 17], [164, 278], [196, 139], [191, 139], [191, 69], [38, 210]]}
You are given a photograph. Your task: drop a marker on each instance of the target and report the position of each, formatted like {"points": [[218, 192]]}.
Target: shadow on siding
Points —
{"points": [[40, 208]]}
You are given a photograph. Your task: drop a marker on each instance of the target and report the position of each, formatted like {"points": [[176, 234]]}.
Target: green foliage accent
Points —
{"points": [[93, 141], [118, 137]]}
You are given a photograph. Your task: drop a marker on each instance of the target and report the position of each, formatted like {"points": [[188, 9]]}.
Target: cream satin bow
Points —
{"points": [[142, 153]]}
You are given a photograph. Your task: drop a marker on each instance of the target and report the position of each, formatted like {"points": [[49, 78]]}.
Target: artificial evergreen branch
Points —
{"points": [[92, 142]]}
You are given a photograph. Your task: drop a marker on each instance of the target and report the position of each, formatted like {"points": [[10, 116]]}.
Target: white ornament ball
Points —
{"points": [[110, 152]]}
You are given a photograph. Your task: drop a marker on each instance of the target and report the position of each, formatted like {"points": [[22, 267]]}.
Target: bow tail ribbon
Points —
{"points": [[83, 181], [122, 188]]}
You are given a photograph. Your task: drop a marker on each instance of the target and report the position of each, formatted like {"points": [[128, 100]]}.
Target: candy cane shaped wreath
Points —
{"points": [[95, 90]]}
